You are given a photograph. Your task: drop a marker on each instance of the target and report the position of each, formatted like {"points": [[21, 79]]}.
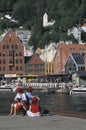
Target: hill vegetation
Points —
{"points": [[29, 14]]}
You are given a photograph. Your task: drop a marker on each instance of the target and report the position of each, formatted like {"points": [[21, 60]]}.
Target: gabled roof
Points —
{"points": [[79, 58], [35, 59], [68, 48], [10, 35]]}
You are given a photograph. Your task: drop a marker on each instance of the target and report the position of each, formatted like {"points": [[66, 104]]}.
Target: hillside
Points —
{"points": [[29, 14]]}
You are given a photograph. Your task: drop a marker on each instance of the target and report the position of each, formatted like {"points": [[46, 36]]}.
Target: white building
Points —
{"points": [[24, 35], [76, 31], [47, 23], [84, 27], [28, 51], [48, 53]]}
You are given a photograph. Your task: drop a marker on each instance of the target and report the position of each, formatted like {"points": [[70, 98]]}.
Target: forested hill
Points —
{"points": [[29, 14]]}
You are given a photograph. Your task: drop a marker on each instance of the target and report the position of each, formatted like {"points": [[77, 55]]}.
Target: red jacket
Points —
{"points": [[35, 108]]}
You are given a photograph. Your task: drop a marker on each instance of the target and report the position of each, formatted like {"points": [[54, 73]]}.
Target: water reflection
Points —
{"points": [[78, 102], [64, 102]]}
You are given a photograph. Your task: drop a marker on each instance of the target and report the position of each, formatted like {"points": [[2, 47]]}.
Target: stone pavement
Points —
{"points": [[49, 122]]}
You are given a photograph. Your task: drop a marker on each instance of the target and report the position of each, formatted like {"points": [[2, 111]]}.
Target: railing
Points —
{"points": [[51, 86]]}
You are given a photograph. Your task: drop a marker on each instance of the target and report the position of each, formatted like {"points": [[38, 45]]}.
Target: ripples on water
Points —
{"points": [[54, 102], [64, 102]]}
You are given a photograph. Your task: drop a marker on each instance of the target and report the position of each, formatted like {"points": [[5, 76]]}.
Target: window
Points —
{"points": [[30, 71], [41, 65], [3, 46], [30, 65], [3, 61], [4, 53], [36, 71], [41, 70], [10, 53], [16, 67], [20, 67], [17, 61], [10, 68], [20, 60], [20, 53], [10, 61], [12, 46], [0, 61], [16, 47], [36, 65], [3, 68], [81, 69], [16, 53], [7, 46], [72, 49], [81, 49]]}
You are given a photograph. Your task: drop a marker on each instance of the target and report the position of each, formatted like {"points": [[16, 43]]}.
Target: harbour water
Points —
{"points": [[54, 102], [59, 102]]}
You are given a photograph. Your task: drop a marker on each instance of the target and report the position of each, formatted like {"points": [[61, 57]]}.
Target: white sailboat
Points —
{"points": [[81, 89]]}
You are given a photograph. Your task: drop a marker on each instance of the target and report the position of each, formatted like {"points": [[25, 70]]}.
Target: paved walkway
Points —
{"points": [[54, 122]]}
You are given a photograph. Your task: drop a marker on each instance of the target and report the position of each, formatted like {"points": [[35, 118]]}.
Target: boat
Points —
{"points": [[7, 87], [81, 89]]}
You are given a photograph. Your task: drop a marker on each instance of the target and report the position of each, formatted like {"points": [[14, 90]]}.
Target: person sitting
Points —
{"points": [[29, 95], [27, 99], [34, 108], [16, 105]]}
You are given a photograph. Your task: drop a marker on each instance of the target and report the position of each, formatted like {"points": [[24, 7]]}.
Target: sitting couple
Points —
{"points": [[25, 101]]}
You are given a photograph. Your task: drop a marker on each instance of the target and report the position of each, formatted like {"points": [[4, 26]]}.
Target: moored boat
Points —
{"points": [[81, 89], [7, 87]]}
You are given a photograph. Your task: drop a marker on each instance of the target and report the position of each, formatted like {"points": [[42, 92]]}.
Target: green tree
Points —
{"points": [[29, 13]]}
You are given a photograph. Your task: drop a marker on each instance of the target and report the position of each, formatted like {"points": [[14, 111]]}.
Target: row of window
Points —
{"points": [[35, 65], [73, 50], [73, 69], [80, 49], [49, 71], [11, 53], [17, 61], [17, 68], [49, 65], [36, 71], [12, 46]]}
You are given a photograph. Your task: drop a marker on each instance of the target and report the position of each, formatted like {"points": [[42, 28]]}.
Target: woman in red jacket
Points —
{"points": [[34, 109]]}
